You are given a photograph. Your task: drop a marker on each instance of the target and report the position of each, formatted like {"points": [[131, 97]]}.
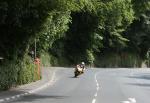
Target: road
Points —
{"points": [[95, 86]]}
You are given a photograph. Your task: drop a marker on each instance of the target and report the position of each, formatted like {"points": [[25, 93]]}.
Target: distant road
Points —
{"points": [[95, 86]]}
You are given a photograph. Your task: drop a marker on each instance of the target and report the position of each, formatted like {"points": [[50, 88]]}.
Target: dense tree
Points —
{"points": [[114, 16], [140, 6], [84, 29], [138, 34]]}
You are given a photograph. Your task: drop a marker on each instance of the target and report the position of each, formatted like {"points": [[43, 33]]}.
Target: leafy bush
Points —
{"points": [[110, 60], [45, 59], [8, 75], [28, 71], [17, 72], [90, 57]]}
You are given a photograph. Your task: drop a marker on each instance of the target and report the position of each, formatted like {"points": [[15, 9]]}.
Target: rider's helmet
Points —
{"points": [[82, 63]]}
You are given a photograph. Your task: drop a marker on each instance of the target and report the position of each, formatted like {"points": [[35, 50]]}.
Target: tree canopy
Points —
{"points": [[71, 31]]}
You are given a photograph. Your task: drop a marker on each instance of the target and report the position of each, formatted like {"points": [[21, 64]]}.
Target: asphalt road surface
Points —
{"points": [[95, 86]]}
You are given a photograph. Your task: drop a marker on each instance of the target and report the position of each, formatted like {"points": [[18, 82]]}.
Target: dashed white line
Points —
{"points": [[130, 100], [1, 100], [7, 99], [94, 100], [97, 84], [125, 102], [18, 96], [95, 95], [22, 94], [25, 93], [13, 97], [97, 89]]}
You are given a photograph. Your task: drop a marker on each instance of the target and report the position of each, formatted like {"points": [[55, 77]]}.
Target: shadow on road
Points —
{"points": [[140, 84], [141, 76], [35, 98], [73, 77], [9, 93]]}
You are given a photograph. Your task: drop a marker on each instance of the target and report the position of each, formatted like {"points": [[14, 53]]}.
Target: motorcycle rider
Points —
{"points": [[82, 66], [79, 69]]}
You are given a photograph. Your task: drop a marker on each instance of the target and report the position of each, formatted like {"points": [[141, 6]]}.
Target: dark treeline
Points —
{"points": [[103, 33]]}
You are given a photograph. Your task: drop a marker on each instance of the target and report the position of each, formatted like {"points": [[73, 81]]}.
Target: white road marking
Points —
{"points": [[97, 84], [22, 94], [97, 89], [13, 97], [132, 100], [1, 100], [31, 91], [125, 102], [18, 96], [95, 95], [7, 99], [25, 93], [94, 100]]}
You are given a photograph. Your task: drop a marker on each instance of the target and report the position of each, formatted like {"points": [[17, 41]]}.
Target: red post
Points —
{"points": [[37, 62]]}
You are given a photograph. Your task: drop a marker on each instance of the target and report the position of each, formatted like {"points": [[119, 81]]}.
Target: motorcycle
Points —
{"points": [[78, 71]]}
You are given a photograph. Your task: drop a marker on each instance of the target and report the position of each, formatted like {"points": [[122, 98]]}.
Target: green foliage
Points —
{"points": [[80, 28], [8, 75], [28, 71], [45, 59], [115, 60], [140, 6], [148, 58], [17, 72], [114, 17], [90, 57], [20, 22], [54, 28], [80, 37], [138, 34]]}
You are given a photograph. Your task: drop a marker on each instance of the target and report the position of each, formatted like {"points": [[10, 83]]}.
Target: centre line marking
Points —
{"points": [[125, 102], [95, 95], [97, 88], [94, 100], [1, 100], [132, 100]]}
